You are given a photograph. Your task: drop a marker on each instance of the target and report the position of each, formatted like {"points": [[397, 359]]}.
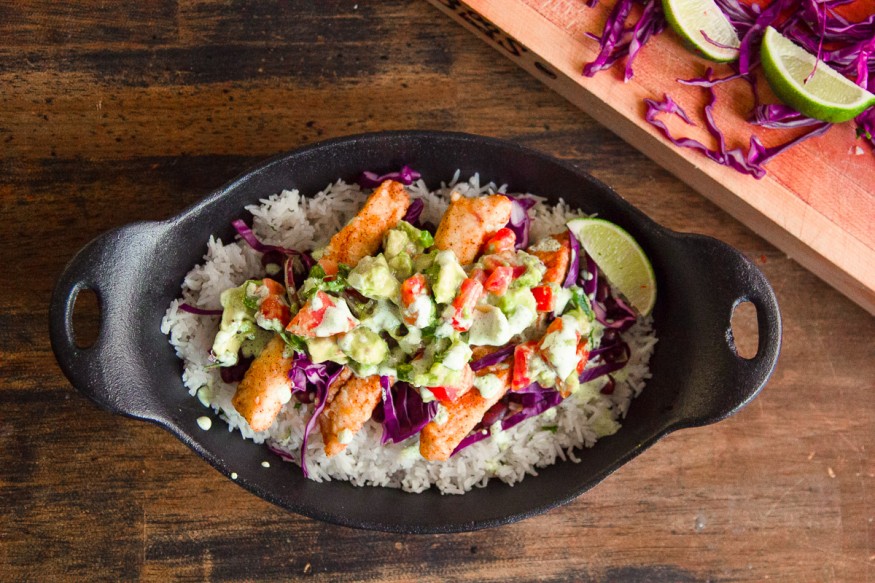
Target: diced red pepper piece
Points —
{"points": [[499, 280], [521, 354], [583, 355], [543, 298], [448, 394], [274, 288], [478, 274], [503, 240], [273, 308], [469, 294], [307, 318], [412, 287]]}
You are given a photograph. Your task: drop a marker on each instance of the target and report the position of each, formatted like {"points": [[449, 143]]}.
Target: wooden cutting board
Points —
{"points": [[817, 201]]}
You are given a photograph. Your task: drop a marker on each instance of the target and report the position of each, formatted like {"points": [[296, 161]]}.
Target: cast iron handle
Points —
{"points": [[734, 279], [100, 370]]}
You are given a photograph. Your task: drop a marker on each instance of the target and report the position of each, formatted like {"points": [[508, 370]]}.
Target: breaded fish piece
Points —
{"points": [[348, 410], [469, 222], [437, 442], [266, 386], [556, 261], [363, 235]]}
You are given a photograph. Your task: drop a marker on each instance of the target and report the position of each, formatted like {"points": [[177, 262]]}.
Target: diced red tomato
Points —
{"points": [[464, 303], [490, 262], [543, 298], [518, 271], [503, 240], [583, 355], [449, 394], [521, 354], [307, 318], [499, 280], [412, 287], [274, 288], [479, 275], [273, 308], [329, 266]]}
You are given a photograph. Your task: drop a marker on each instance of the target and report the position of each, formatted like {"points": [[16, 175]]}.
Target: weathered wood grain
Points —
{"points": [[117, 112]]}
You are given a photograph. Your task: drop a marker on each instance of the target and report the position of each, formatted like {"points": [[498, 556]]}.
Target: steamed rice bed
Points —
{"points": [[293, 221]]}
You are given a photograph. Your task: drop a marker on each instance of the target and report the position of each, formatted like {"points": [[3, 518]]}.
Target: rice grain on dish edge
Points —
{"points": [[294, 221]]}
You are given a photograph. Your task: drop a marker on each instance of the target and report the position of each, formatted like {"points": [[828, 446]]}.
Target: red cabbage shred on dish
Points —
{"points": [[311, 379], [414, 211], [198, 311], [405, 176], [402, 411], [520, 222], [249, 236]]}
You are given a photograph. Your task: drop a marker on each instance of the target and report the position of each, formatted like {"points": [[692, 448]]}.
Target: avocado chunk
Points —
{"points": [[450, 276], [373, 278], [364, 346], [322, 349], [238, 325]]}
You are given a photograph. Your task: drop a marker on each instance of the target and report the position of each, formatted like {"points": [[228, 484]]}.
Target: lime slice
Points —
{"points": [[703, 25], [620, 258], [828, 95]]}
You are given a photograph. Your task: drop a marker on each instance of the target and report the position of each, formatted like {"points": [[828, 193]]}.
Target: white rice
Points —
{"points": [[294, 221]]}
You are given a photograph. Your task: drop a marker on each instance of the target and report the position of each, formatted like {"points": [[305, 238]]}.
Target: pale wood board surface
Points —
{"points": [[817, 201], [112, 113]]}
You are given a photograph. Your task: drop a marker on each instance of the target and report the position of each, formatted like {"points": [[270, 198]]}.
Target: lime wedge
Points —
{"points": [[620, 258], [703, 26], [827, 96]]}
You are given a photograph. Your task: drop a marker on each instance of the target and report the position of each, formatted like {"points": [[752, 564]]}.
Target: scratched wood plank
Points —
{"points": [[89, 144], [817, 201]]}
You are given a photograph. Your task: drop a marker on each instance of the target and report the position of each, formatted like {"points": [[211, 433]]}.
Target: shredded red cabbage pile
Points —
{"points": [[406, 176], [402, 411], [816, 25], [311, 381], [610, 311], [749, 162], [619, 40], [493, 358]]}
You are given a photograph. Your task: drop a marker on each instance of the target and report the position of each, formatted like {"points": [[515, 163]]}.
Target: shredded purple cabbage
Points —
{"points": [[520, 222], [414, 211], [779, 116], [406, 176], [750, 162], [493, 358], [574, 263], [614, 356], [592, 272], [199, 311], [528, 402], [283, 454], [402, 411], [309, 377], [249, 236], [618, 40]]}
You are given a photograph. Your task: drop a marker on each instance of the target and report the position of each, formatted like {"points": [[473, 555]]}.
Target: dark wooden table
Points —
{"points": [[118, 112]]}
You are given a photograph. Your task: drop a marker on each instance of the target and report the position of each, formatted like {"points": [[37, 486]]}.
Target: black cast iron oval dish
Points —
{"points": [[137, 270]]}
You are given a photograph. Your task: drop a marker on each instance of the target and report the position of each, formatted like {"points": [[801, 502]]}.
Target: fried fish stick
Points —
{"points": [[347, 411], [363, 235], [437, 442], [266, 386], [469, 222]]}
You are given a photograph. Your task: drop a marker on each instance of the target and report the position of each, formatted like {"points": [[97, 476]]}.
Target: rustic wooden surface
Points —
{"points": [[117, 112]]}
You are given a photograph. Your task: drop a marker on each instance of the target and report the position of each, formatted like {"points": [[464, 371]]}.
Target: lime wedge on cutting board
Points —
{"points": [[620, 258], [828, 95], [703, 26]]}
